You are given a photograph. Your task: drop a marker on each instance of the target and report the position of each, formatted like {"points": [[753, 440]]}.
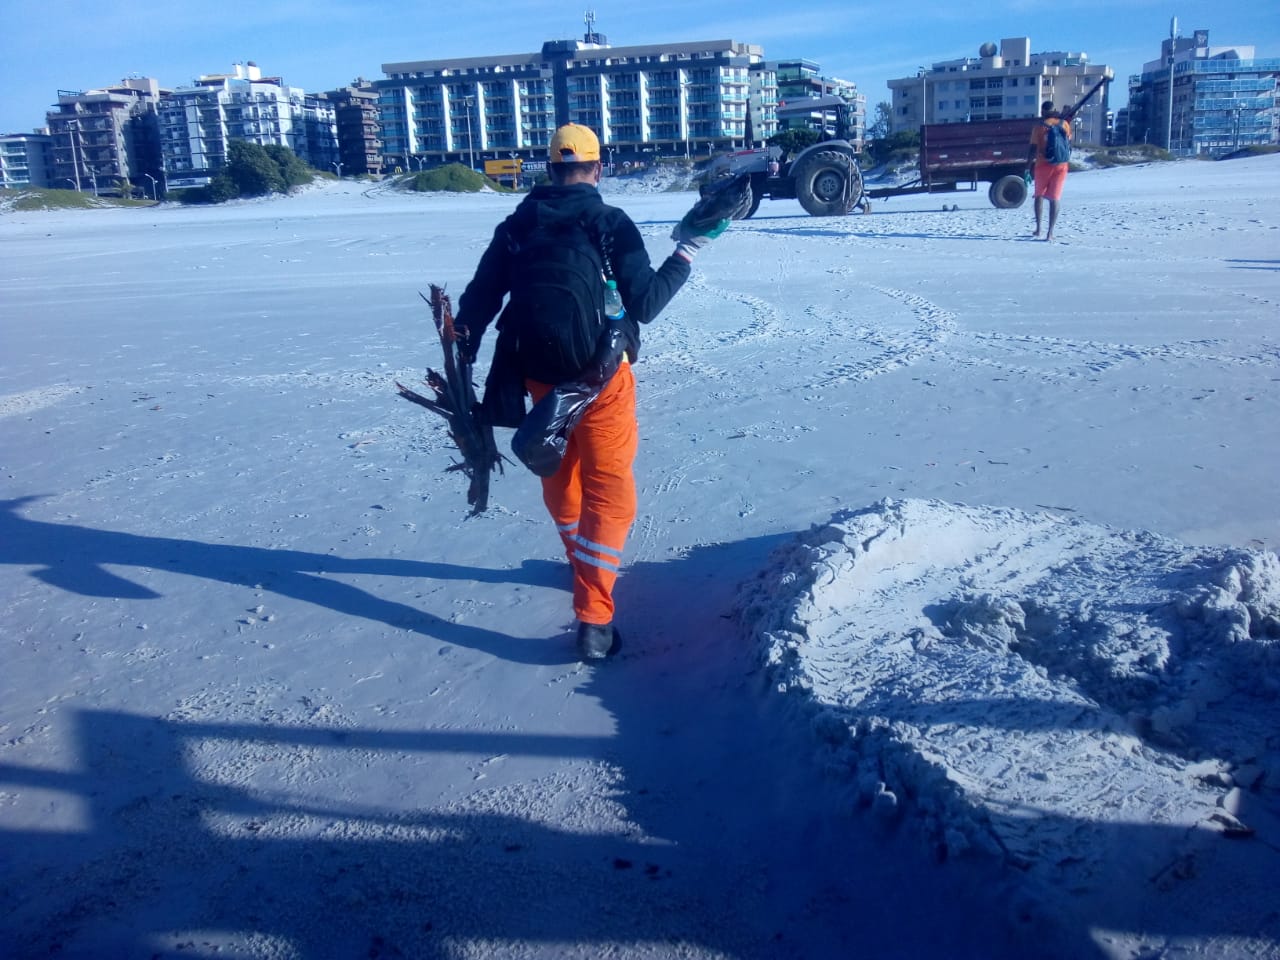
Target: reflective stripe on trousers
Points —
{"points": [[592, 497]]}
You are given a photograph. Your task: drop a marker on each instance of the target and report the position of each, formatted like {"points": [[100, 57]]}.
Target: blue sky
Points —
{"points": [[321, 44]]}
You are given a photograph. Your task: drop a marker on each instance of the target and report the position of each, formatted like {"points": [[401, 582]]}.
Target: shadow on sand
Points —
{"points": [[734, 842]]}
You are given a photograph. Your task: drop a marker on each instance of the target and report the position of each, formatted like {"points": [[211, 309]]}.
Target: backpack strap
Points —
{"points": [[605, 243]]}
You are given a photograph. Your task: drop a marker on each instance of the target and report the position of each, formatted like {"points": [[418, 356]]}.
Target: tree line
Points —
{"points": [[251, 170], [879, 146]]}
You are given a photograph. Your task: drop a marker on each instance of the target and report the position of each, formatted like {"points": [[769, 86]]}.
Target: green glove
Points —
{"points": [[690, 238]]}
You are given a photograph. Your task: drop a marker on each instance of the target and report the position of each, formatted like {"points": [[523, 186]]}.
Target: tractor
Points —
{"points": [[824, 177]]}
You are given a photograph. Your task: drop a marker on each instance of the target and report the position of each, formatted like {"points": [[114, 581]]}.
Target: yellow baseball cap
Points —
{"points": [[574, 143]]}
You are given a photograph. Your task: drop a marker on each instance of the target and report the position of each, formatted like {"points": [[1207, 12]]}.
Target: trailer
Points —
{"points": [[953, 156], [960, 156], [826, 180]]}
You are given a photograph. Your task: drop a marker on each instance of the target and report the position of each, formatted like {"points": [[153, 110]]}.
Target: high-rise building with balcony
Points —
{"points": [[197, 123], [826, 105], [106, 140], [669, 99], [1224, 98], [25, 160], [1005, 81], [359, 140]]}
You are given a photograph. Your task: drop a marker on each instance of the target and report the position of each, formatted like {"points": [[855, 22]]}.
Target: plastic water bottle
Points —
{"points": [[613, 308]]}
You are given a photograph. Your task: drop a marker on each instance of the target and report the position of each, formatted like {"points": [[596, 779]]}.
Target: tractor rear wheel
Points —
{"points": [[757, 194], [828, 184]]}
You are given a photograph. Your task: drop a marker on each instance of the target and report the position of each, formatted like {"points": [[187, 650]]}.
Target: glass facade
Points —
{"points": [[1222, 99]]}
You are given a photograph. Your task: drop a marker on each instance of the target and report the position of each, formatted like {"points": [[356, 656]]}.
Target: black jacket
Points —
{"points": [[645, 291]]}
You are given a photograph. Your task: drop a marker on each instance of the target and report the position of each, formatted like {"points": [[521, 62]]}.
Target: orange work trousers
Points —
{"points": [[592, 497]]}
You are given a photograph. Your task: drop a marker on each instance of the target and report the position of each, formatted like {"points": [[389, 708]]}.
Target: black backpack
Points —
{"points": [[556, 310], [1057, 148]]}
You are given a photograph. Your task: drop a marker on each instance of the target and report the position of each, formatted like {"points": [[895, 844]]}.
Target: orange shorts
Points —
{"points": [[1050, 179]]}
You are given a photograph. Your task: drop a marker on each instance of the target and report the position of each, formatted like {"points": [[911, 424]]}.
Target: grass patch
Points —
{"points": [[451, 178], [38, 198], [1128, 154]]}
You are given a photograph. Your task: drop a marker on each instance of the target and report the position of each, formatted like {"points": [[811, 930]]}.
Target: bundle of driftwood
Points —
{"points": [[455, 400]]}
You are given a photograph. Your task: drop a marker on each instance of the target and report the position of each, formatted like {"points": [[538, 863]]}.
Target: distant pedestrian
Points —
{"points": [[1049, 156]]}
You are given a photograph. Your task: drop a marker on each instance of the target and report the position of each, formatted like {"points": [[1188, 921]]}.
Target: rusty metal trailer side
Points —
{"points": [[959, 156], [984, 151]]}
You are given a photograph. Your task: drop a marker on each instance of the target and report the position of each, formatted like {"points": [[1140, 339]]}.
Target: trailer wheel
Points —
{"points": [[1009, 191], [991, 194], [828, 184]]}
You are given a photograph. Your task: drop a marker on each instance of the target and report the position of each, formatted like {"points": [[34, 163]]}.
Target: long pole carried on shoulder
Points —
{"points": [[1072, 111]]}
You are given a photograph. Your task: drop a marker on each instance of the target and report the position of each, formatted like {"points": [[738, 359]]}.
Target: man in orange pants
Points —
{"points": [[592, 496]]}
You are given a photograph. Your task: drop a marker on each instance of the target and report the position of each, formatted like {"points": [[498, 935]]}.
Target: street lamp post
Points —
{"points": [[471, 156], [337, 165], [924, 96], [154, 194], [73, 129], [684, 113], [1173, 49]]}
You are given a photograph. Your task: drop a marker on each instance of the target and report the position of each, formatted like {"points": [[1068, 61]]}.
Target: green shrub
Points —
{"points": [[251, 170], [189, 196], [1129, 154], [897, 148], [791, 142], [293, 171], [451, 178], [224, 187]]}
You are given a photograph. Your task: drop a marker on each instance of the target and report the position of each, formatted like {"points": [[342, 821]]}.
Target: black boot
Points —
{"points": [[597, 640]]}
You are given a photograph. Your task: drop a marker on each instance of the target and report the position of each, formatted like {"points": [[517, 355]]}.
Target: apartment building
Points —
{"points": [[25, 160], [827, 105], [1224, 98], [359, 141], [106, 140], [1001, 82], [197, 122], [673, 99]]}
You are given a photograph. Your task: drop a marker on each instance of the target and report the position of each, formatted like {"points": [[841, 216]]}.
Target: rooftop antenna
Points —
{"points": [[590, 36]]}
